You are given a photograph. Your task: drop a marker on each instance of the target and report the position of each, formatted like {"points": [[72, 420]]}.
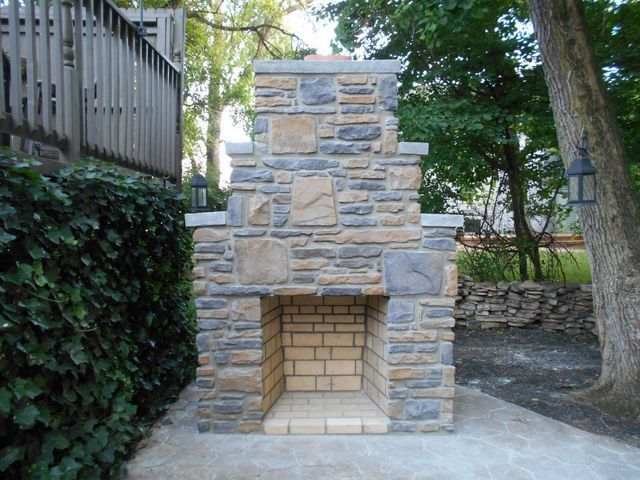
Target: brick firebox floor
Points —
{"points": [[300, 413]]}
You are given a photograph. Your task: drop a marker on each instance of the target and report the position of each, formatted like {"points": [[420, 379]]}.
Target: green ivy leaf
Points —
{"points": [[10, 455], [27, 417], [5, 400]]}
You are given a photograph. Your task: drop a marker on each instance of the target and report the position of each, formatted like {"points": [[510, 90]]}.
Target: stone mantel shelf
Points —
{"points": [[344, 66], [214, 219], [404, 148]]}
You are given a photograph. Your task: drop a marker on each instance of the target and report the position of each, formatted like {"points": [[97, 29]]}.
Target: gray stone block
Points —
{"points": [[387, 196], [220, 426], [221, 358], [357, 132], [275, 189], [408, 273], [439, 232], [347, 291], [246, 325], [446, 353], [357, 209], [289, 233], [396, 426], [355, 263], [358, 221], [422, 409], [304, 277], [312, 173], [357, 109], [234, 211], [312, 252], [400, 311], [442, 220], [300, 163], [242, 344], [279, 220], [209, 248], [338, 173], [238, 148], [202, 342], [310, 110], [399, 161], [248, 290], [249, 232], [203, 426], [317, 90], [221, 267], [211, 303], [357, 90], [440, 244], [401, 348], [281, 209], [231, 396], [398, 393], [427, 348], [344, 148], [268, 92], [228, 255], [228, 406], [399, 326], [205, 382], [359, 251], [429, 383], [211, 324], [437, 312], [243, 175], [366, 185], [388, 92]]}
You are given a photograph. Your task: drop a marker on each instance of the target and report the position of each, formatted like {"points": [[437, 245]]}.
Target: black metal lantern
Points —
{"points": [[199, 193], [582, 177]]}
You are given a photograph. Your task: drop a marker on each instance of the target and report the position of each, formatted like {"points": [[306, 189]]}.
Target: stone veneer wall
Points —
{"points": [[376, 368], [325, 204], [552, 306]]}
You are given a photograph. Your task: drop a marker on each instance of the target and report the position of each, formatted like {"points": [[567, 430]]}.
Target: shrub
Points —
{"points": [[96, 326]]}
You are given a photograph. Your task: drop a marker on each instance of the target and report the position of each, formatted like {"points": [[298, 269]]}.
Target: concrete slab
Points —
{"points": [[493, 440]]}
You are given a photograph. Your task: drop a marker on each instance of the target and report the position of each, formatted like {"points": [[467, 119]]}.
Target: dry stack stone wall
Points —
{"points": [[325, 205], [552, 306]]}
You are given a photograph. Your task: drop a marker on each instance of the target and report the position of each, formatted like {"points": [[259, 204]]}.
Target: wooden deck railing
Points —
{"points": [[77, 76]]}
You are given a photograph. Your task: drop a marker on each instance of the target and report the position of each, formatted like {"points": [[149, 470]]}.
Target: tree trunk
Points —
{"points": [[611, 228], [214, 118]]}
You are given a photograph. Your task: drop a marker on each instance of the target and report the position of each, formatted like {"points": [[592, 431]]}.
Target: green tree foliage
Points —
{"points": [[96, 326]]}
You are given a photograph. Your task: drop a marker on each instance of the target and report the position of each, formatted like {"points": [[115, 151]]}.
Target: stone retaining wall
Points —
{"points": [[553, 306]]}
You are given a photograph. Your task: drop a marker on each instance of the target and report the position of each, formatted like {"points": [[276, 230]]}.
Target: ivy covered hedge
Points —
{"points": [[96, 325]]}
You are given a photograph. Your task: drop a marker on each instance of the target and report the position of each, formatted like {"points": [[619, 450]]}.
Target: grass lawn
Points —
{"points": [[574, 264]]}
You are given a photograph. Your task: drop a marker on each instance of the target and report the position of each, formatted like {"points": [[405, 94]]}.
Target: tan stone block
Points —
{"points": [[376, 147], [352, 197], [293, 135], [248, 309], [203, 359], [346, 353], [354, 327], [352, 79], [249, 426], [242, 380], [414, 213], [243, 162], [442, 322], [450, 279], [283, 177], [309, 367], [273, 102], [344, 426], [313, 203], [282, 83], [299, 241], [222, 278], [307, 426], [390, 142], [447, 406], [254, 405], [208, 313], [210, 234], [307, 340], [374, 426], [326, 132], [340, 367], [199, 287], [409, 337], [356, 163], [392, 220], [276, 426], [346, 382], [429, 427], [261, 261], [447, 336], [338, 339], [258, 210], [308, 264], [377, 290], [449, 376], [413, 358], [438, 392], [446, 302], [405, 373], [352, 119], [295, 291], [390, 207], [349, 279], [370, 236], [357, 99], [405, 177], [248, 357], [300, 384], [367, 174], [207, 371], [198, 272]]}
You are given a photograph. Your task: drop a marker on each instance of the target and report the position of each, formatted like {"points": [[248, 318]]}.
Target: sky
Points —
{"points": [[316, 34]]}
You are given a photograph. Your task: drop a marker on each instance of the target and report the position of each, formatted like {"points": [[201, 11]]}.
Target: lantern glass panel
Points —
{"points": [[574, 188], [589, 188]]}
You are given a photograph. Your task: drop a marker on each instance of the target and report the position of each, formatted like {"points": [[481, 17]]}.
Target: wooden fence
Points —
{"points": [[78, 76]]}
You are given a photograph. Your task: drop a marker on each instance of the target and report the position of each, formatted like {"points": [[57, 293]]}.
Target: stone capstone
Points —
{"points": [[317, 90], [261, 261], [313, 202], [408, 273], [293, 135]]}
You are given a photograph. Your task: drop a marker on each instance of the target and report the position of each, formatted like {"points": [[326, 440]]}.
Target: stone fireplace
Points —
{"points": [[324, 298]]}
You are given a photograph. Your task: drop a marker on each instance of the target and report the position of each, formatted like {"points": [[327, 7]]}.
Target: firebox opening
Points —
{"points": [[327, 353]]}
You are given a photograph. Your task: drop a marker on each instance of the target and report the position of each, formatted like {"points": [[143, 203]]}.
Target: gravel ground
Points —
{"points": [[537, 370]]}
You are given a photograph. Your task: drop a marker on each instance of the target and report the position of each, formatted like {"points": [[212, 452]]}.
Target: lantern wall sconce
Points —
{"points": [[582, 177], [199, 193]]}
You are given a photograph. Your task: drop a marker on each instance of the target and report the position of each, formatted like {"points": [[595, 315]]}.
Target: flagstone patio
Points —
{"points": [[493, 440]]}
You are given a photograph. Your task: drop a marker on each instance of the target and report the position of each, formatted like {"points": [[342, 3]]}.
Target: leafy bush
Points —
{"points": [[96, 325]]}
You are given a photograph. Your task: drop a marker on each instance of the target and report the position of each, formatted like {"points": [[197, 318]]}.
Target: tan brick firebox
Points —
{"points": [[324, 298]]}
